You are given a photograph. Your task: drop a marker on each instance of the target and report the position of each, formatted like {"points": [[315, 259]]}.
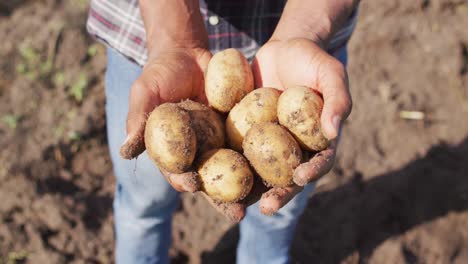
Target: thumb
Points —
{"points": [[143, 99], [337, 102], [305, 63]]}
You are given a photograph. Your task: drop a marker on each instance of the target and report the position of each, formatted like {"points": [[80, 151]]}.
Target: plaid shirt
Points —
{"points": [[244, 25]]}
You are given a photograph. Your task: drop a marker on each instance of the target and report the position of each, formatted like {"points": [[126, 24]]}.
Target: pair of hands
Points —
{"points": [[179, 74]]}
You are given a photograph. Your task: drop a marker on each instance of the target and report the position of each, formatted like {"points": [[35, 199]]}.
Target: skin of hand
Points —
{"points": [[283, 64], [178, 57], [295, 55]]}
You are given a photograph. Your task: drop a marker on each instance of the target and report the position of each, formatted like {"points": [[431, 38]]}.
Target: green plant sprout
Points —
{"points": [[11, 120], [78, 87]]}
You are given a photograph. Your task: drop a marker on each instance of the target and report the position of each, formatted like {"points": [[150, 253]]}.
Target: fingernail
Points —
{"points": [[126, 140], [191, 185], [299, 178], [267, 211]]}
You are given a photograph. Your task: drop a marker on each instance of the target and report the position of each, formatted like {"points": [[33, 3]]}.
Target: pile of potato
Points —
{"points": [[244, 133]]}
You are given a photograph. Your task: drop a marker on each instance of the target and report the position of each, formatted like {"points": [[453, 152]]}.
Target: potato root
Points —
{"points": [[299, 110], [225, 175], [258, 106], [228, 79], [170, 139], [273, 153]]}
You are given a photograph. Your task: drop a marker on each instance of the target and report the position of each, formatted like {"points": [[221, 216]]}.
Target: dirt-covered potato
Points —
{"points": [[208, 125], [170, 139], [273, 153], [256, 107], [228, 79], [225, 175], [299, 110]]}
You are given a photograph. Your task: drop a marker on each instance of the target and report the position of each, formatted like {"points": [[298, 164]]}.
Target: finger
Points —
{"points": [[236, 211], [320, 164], [307, 64], [184, 182], [203, 59], [142, 101], [201, 98], [264, 71], [276, 198], [161, 81], [258, 82], [233, 211], [337, 103]]}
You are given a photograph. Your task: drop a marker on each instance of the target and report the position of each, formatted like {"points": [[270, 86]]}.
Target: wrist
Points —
{"points": [[288, 32], [173, 24], [174, 43], [316, 21]]}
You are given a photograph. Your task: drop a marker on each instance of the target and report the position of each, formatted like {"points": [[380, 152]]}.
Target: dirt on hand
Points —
{"points": [[398, 192]]}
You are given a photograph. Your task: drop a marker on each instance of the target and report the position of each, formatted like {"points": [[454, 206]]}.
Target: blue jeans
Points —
{"points": [[144, 202]]}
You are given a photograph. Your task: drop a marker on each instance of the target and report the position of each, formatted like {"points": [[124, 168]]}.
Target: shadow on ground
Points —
{"points": [[360, 215]]}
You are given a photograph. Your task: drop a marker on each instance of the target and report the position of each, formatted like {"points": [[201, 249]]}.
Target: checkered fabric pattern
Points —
{"points": [[241, 24]]}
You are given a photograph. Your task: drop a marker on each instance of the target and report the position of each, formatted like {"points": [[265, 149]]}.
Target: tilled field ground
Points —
{"points": [[398, 192]]}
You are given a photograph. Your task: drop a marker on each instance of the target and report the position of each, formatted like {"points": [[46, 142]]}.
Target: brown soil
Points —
{"points": [[398, 193]]}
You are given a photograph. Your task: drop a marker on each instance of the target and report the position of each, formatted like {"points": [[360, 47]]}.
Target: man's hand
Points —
{"points": [[169, 77], [282, 64], [178, 55], [295, 55]]}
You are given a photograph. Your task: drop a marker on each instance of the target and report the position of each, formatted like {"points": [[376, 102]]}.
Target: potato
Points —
{"points": [[170, 139], [225, 175], [228, 79], [299, 110], [256, 107], [273, 153], [208, 125]]}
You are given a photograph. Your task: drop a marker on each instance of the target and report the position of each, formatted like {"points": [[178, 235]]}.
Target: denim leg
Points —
{"points": [[144, 201], [267, 239]]}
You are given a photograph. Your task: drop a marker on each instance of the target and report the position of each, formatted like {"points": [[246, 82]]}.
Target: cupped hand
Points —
{"points": [[171, 76], [283, 64]]}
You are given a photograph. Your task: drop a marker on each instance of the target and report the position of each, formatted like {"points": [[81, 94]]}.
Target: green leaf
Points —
{"points": [[21, 68], [46, 68], [11, 120], [16, 257], [92, 50], [74, 136], [59, 79], [28, 54], [78, 87]]}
